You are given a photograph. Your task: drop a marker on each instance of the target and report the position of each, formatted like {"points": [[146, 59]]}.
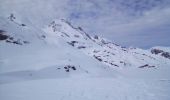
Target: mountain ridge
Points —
{"points": [[99, 48], [63, 62]]}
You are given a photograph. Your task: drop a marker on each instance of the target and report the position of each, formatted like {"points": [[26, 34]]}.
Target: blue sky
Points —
{"points": [[137, 23]]}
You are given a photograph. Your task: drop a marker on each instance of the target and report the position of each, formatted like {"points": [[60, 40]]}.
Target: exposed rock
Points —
{"points": [[11, 17], [17, 42], [23, 25], [96, 37], [98, 58], [146, 65], [81, 47], [114, 64], [166, 55], [69, 67], [156, 51], [73, 68], [161, 52], [80, 28], [3, 36], [65, 34], [72, 43], [43, 36]]}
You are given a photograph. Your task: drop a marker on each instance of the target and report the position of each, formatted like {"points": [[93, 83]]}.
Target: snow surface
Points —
{"points": [[62, 62]]}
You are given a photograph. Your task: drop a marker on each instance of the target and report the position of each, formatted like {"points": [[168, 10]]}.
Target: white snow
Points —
{"points": [[62, 62]]}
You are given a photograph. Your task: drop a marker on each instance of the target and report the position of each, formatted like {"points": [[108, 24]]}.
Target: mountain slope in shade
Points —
{"points": [[60, 61]]}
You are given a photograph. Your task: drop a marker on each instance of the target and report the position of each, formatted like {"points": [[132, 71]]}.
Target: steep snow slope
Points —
{"points": [[42, 50], [101, 49], [60, 61]]}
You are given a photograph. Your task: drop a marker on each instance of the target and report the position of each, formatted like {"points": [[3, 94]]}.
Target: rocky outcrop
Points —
{"points": [[161, 52]]}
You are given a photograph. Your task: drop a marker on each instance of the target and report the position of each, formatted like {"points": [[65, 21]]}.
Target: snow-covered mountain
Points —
{"points": [[79, 65], [61, 31]]}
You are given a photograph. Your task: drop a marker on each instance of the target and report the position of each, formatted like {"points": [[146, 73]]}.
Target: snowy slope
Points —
{"points": [[60, 61], [101, 49]]}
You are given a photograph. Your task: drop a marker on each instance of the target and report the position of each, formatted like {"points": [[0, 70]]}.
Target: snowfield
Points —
{"points": [[57, 61], [85, 89]]}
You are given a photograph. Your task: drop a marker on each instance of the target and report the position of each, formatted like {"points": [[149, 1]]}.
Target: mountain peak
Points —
{"points": [[61, 31]]}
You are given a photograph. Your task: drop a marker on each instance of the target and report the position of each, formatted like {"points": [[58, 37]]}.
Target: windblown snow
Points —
{"points": [[62, 62]]}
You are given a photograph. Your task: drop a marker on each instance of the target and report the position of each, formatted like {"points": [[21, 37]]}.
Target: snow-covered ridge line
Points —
{"points": [[98, 48], [62, 62], [101, 49]]}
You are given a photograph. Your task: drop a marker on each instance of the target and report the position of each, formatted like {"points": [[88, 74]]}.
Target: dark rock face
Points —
{"points": [[81, 47], [166, 55], [96, 37], [80, 28], [98, 58], [68, 68], [72, 43], [17, 42], [23, 25], [73, 68], [9, 39], [146, 65], [3, 36], [54, 26], [161, 52], [11, 17], [114, 64], [156, 51]]}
